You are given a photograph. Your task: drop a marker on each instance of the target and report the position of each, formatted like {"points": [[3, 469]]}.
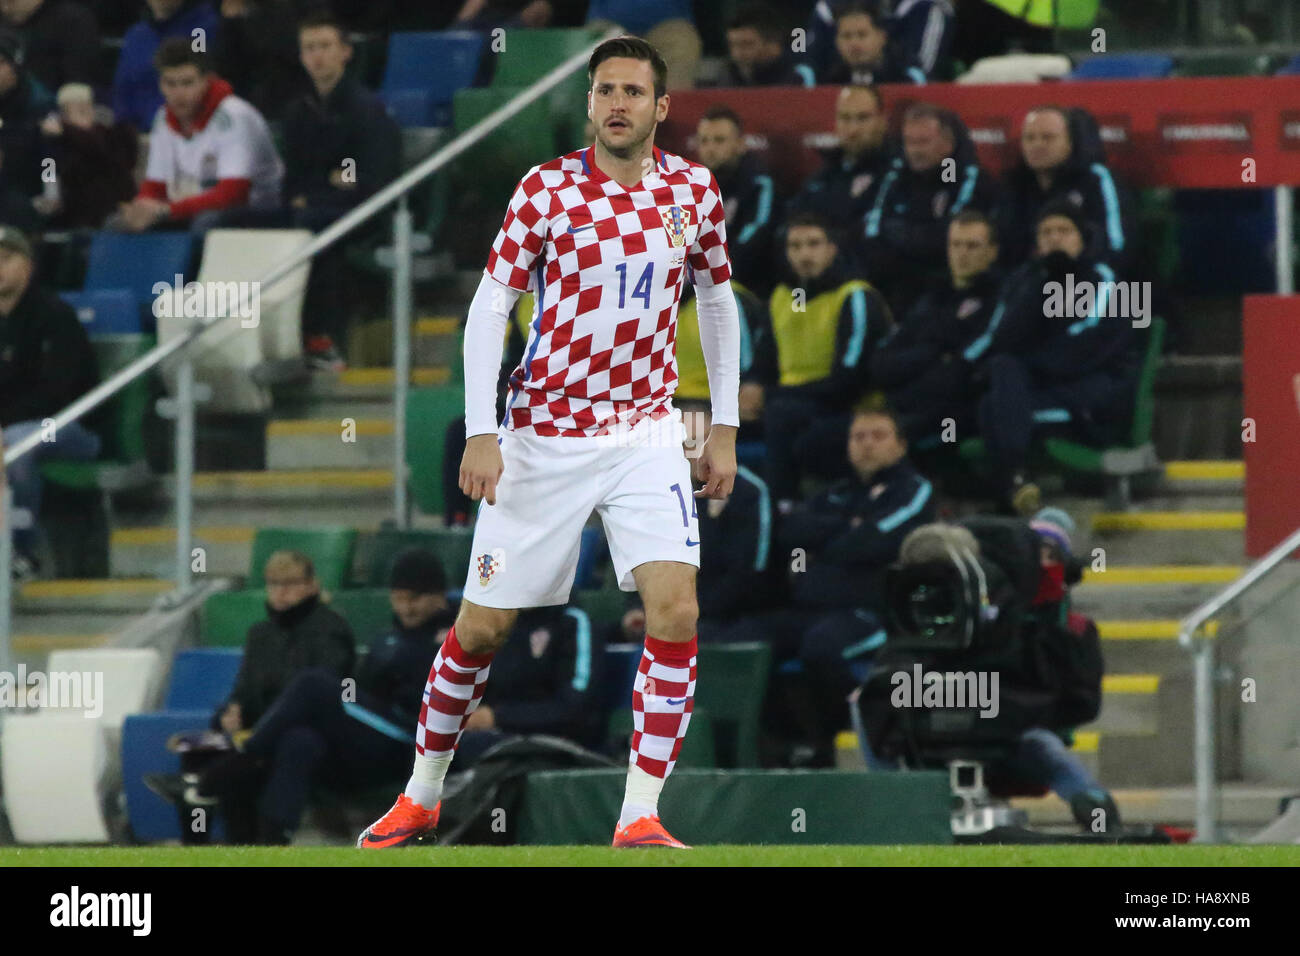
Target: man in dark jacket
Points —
{"points": [[757, 44], [838, 545], [46, 363], [906, 229], [842, 190], [921, 365], [60, 40], [865, 52], [825, 326], [923, 30], [340, 147], [747, 196], [136, 94], [1063, 158], [1060, 354], [24, 102]]}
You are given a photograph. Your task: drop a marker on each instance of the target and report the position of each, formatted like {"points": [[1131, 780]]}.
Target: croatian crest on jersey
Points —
{"points": [[676, 222]]}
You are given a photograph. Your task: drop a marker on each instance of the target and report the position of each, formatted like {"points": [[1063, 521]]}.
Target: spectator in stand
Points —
{"points": [[667, 25], [24, 102], [906, 229], [315, 732], [46, 363], [60, 40], [1062, 157], [211, 159], [758, 50], [258, 53], [340, 148], [825, 325], [921, 365], [847, 536], [747, 194], [1056, 360], [865, 53], [922, 30], [841, 191], [95, 161], [136, 93]]}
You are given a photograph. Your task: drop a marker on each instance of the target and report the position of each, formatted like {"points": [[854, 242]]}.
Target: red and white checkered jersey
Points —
{"points": [[606, 263]]}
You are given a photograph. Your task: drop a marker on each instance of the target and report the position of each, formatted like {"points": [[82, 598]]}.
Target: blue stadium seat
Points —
{"points": [[202, 678], [133, 264], [1123, 66], [621, 662], [144, 750], [591, 552], [435, 65], [106, 311], [1290, 67]]}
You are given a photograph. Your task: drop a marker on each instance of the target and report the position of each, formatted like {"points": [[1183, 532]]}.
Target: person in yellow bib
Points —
{"points": [[825, 326]]}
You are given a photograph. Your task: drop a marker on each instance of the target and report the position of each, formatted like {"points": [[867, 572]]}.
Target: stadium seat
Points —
{"points": [[106, 311], [731, 684], [1017, 68], [227, 616], [376, 551], [605, 606], [144, 750], [1225, 64], [621, 662], [330, 550], [531, 54], [429, 411], [367, 610], [592, 552], [201, 678], [130, 679], [229, 353], [425, 70], [51, 765], [135, 263], [699, 749], [1123, 66], [495, 164], [1131, 456], [1290, 67]]}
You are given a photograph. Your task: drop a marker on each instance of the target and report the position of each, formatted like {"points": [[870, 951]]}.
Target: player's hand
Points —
{"points": [[481, 467], [716, 466]]}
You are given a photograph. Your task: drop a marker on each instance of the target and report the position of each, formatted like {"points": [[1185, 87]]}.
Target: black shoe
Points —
{"points": [[178, 789], [1084, 807]]}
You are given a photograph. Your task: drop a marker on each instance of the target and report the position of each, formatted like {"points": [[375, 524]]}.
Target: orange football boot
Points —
{"points": [[406, 824], [647, 832]]}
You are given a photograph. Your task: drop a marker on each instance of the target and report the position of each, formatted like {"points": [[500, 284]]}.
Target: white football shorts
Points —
{"points": [[525, 551]]}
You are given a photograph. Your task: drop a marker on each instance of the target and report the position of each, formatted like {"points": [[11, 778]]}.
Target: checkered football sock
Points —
{"points": [[455, 687], [663, 696]]}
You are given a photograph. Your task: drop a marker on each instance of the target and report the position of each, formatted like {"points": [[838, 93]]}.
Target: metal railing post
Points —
{"points": [[1203, 662], [184, 469], [6, 578], [1283, 200], [402, 293]]}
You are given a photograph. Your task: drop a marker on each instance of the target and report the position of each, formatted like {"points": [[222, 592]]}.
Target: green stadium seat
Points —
{"points": [[227, 616], [699, 749], [731, 683], [605, 606], [375, 553], [367, 610], [428, 413], [530, 55], [1132, 454], [330, 550], [1226, 64], [495, 164]]}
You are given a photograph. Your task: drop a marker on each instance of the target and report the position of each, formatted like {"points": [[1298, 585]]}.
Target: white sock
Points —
{"points": [[425, 785], [641, 798]]}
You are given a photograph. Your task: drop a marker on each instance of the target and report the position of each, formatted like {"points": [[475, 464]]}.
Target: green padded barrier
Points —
{"points": [[731, 681], [807, 807], [698, 749], [227, 616], [429, 411], [367, 610], [330, 550]]}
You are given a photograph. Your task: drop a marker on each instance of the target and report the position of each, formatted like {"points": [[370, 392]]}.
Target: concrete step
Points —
{"points": [[151, 551], [361, 497], [435, 341], [1142, 645], [1129, 704], [105, 596], [339, 443], [354, 392], [1150, 591], [1169, 536]]}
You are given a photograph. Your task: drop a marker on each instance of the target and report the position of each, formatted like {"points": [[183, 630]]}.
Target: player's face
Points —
{"points": [[183, 87], [809, 250], [1059, 234], [412, 608], [720, 143], [925, 143], [859, 41], [969, 250], [324, 53], [622, 105], [1045, 140], [859, 121], [874, 444]]}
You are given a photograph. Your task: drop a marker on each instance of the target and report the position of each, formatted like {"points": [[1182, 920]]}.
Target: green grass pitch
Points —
{"points": [[701, 856]]}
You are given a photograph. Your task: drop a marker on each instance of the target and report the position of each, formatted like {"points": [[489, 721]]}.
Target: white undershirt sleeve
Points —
{"points": [[485, 335], [720, 342]]}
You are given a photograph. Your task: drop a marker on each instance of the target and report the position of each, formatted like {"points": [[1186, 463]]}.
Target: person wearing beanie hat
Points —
{"points": [[1056, 526], [1060, 357]]}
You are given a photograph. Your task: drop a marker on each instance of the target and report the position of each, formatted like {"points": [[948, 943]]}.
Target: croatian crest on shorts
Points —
{"points": [[676, 221], [488, 565]]}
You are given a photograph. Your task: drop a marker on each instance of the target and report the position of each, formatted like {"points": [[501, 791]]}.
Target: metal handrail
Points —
{"points": [[340, 227], [1203, 652]]}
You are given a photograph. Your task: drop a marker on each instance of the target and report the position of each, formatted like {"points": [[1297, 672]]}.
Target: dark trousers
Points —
{"points": [[305, 738], [939, 393], [803, 434], [1019, 404]]}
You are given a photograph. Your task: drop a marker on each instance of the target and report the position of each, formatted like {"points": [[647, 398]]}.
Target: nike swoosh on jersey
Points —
{"points": [[691, 544], [573, 229]]}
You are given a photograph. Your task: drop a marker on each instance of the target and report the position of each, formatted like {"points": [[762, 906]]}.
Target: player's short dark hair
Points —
{"points": [[808, 217], [763, 18], [179, 51], [322, 17], [969, 217], [861, 9], [720, 111], [633, 48], [876, 406]]}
